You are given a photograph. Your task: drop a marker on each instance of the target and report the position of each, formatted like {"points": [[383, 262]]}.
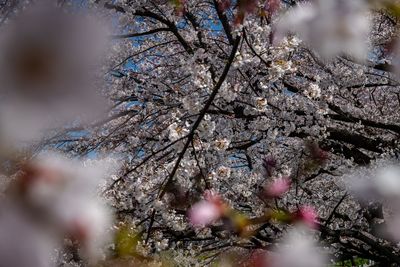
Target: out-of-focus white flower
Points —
{"points": [[380, 185], [387, 188], [298, 250], [387, 181], [376, 185], [391, 229], [24, 242], [330, 26], [48, 60], [90, 225], [64, 192], [395, 60]]}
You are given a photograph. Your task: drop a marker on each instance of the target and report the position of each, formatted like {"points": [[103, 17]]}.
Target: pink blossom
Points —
{"points": [[204, 212], [278, 187], [307, 215]]}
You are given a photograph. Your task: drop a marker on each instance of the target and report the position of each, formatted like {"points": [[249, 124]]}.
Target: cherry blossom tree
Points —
{"points": [[249, 133]]}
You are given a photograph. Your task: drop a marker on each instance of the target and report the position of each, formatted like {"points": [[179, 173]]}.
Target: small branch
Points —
{"points": [[131, 35], [334, 210]]}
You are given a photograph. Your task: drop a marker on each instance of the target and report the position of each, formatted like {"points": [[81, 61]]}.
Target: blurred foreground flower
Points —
{"points": [[298, 250], [204, 213], [207, 211], [56, 197], [304, 215], [47, 64], [380, 185], [331, 27], [277, 188], [25, 241], [307, 215]]}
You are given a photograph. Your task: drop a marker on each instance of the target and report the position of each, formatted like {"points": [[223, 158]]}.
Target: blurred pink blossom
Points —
{"points": [[278, 187], [206, 211], [307, 215]]}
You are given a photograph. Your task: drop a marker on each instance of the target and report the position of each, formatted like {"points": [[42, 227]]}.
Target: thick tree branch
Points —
{"points": [[202, 114]]}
